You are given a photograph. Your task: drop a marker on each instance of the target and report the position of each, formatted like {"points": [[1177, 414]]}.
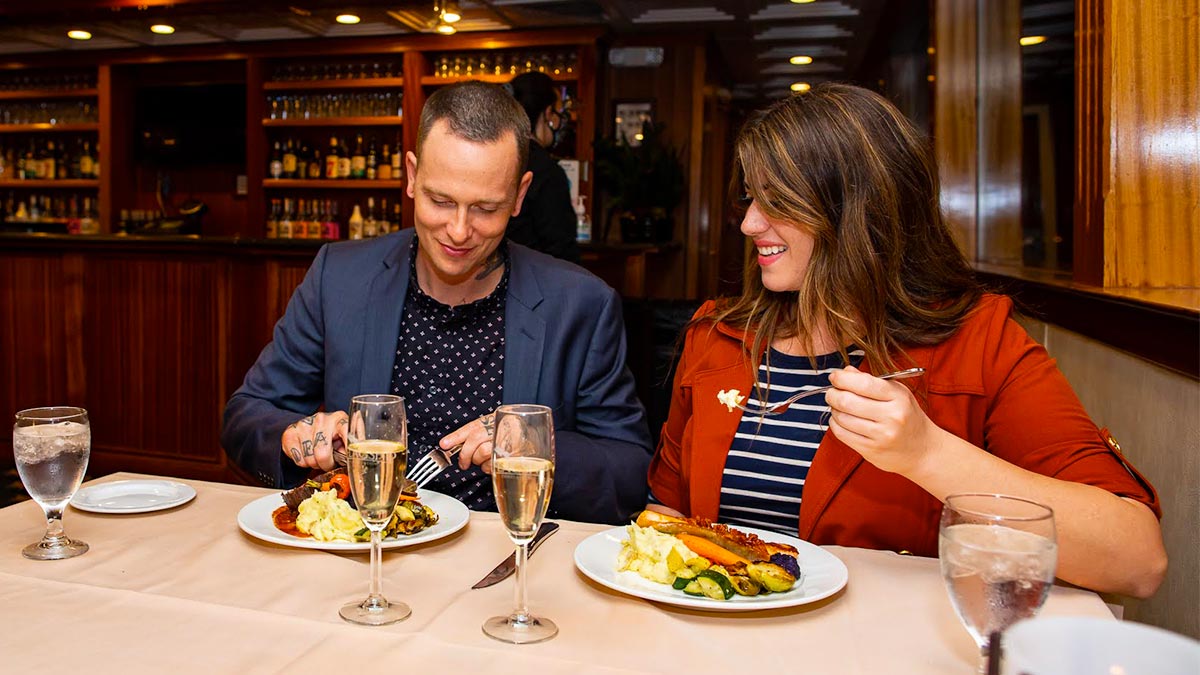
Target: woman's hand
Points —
{"points": [[880, 419]]}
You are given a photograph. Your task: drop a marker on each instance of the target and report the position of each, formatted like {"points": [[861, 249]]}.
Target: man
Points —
{"points": [[457, 321]]}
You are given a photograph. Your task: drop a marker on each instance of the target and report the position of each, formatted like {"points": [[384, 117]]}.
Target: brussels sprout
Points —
{"points": [[773, 577]]}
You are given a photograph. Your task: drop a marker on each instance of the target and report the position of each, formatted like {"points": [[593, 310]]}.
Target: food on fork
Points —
{"points": [[730, 399], [321, 508], [706, 559]]}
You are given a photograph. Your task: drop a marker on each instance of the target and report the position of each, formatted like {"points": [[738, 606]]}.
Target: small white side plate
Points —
{"points": [[132, 496]]}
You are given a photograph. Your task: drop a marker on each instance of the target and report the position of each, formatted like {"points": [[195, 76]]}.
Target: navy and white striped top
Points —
{"points": [[769, 458]]}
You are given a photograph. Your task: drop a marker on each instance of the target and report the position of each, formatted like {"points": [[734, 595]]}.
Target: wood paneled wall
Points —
{"points": [[999, 134], [150, 339], [955, 124], [1140, 98]]}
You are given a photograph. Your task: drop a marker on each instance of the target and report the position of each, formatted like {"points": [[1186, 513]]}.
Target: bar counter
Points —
{"points": [[149, 333]]}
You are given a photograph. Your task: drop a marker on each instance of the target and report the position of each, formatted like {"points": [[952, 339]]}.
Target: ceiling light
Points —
{"points": [[348, 19], [445, 28], [450, 11], [79, 35], [801, 86], [162, 29], [1032, 40], [803, 2], [800, 60]]}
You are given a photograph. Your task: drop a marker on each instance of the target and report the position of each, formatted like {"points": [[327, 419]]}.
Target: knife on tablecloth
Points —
{"points": [[506, 568]]}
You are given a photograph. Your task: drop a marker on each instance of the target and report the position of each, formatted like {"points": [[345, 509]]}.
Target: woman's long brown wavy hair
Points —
{"points": [[844, 165]]}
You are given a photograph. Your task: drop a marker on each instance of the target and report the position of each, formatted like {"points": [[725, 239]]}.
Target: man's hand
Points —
{"points": [[310, 442], [476, 439]]}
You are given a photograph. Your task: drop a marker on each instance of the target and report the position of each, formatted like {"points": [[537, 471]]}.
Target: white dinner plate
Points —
{"points": [[132, 496], [822, 575], [255, 520]]}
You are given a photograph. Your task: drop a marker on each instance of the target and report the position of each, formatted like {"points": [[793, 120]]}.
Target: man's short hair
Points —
{"points": [[478, 112]]}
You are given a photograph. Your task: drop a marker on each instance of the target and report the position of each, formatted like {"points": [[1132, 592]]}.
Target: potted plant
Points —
{"points": [[642, 184]]}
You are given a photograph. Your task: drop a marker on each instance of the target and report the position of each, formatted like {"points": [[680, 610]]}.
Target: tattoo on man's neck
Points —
{"points": [[494, 262]]}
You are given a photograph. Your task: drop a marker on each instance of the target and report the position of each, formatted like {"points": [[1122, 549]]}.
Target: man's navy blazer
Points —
{"points": [[564, 347]]}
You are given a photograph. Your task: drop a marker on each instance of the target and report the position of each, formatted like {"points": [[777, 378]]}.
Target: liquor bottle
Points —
{"points": [[333, 229], [583, 224], [76, 171], [396, 153], [273, 220], [33, 165], [60, 162], [299, 224], [358, 161], [123, 223], [315, 165], [315, 226], [276, 169], [284, 229], [344, 162], [47, 171], [384, 170], [356, 224], [370, 225], [88, 223], [85, 161], [384, 226], [396, 221], [96, 162], [289, 160], [302, 158], [331, 160], [372, 162]]}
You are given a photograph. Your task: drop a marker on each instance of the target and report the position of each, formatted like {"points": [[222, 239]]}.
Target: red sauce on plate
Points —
{"points": [[285, 520]]}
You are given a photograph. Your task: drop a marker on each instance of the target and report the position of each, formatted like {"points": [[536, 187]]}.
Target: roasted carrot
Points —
{"points": [[340, 482], [707, 549]]}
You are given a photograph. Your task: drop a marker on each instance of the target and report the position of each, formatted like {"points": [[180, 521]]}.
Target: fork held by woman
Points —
{"points": [[777, 408]]}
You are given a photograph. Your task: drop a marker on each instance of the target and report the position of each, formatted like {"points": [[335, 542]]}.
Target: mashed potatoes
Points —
{"points": [[328, 518], [730, 399], [653, 554]]}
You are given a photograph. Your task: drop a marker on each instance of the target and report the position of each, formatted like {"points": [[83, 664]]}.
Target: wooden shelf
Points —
{"points": [[496, 79], [328, 184], [369, 83], [334, 122], [66, 183], [21, 94], [47, 127]]}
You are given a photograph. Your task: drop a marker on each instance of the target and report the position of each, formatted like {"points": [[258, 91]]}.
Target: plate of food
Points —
{"points": [[320, 515], [710, 566]]}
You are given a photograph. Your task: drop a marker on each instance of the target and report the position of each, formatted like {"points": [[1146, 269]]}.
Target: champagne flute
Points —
{"points": [[998, 556], [522, 477], [377, 454], [51, 447]]}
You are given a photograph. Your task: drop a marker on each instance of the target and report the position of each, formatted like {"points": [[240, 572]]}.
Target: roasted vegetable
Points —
{"points": [[772, 577], [787, 562], [710, 550], [714, 585], [745, 585]]}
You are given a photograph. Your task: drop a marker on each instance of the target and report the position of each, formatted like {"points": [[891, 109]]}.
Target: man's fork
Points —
{"points": [[433, 463]]}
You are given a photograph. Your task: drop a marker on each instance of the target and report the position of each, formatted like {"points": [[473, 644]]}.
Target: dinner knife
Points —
{"points": [[506, 568]]}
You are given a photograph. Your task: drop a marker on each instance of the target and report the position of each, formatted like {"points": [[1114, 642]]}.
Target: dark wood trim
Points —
{"points": [[1091, 141], [1166, 336], [235, 246]]}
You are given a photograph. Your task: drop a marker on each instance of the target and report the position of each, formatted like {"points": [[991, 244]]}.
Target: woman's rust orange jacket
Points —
{"points": [[989, 383]]}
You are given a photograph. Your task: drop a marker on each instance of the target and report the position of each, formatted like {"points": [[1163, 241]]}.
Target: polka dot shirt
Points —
{"points": [[450, 370]]}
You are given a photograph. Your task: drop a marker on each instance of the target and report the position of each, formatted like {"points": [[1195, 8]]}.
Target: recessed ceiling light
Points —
{"points": [[450, 11], [801, 86], [79, 35], [162, 29], [800, 60], [803, 2], [445, 28], [1032, 40], [348, 18]]}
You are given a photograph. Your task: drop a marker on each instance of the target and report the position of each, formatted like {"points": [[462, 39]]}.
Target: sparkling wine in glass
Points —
{"points": [[998, 555], [51, 447], [522, 478], [377, 454]]}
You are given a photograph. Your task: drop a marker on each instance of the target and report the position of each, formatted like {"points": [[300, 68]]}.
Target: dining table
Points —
{"points": [[185, 590]]}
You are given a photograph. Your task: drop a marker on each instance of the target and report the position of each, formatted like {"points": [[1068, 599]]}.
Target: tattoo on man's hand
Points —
{"points": [[319, 438], [295, 452], [308, 448]]}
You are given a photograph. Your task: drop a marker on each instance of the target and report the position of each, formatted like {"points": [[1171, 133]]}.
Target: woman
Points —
{"points": [[547, 221], [857, 273]]}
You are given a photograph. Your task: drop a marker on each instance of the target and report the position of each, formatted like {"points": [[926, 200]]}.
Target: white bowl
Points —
{"points": [[1086, 646]]}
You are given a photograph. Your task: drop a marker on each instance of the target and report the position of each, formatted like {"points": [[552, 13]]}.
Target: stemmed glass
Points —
{"points": [[998, 556], [522, 477], [52, 446], [377, 454]]}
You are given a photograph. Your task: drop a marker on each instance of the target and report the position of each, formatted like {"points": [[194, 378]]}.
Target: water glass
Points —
{"points": [[51, 447], [377, 454], [998, 555], [522, 478]]}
